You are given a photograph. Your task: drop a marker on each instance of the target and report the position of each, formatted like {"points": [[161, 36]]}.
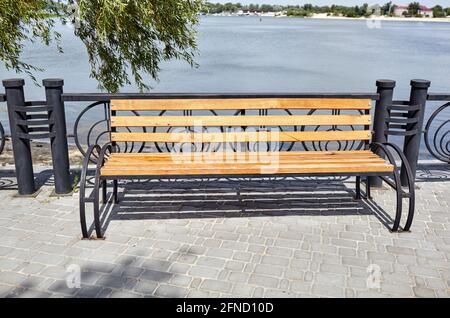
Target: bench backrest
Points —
{"points": [[248, 122]]}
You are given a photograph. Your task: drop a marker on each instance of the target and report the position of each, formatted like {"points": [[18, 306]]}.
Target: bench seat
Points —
{"points": [[245, 163]]}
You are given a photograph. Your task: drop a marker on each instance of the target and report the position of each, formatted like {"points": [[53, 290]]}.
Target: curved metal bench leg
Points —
{"points": [[115, 191], [358, 188], [97, 222], [368, 189], [104, 191], [82, 197], [99, 182], [398, 211], [411, 188], [398, 186], [411, 209], [84, 230]]}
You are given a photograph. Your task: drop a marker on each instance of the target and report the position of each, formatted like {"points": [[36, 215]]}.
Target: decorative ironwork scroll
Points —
{"points": [[96, 119], [2, 139], [437, 133]]}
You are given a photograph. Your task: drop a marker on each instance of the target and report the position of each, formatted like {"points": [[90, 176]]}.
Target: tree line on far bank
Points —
{"points": [[334, 10]]}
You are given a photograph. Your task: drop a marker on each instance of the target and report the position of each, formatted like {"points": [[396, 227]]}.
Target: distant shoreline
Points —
{"points": [[324, 16], [379, 18]]}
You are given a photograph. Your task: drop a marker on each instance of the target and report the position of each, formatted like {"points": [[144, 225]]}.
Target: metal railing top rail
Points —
{"points": [[105, 97], [438, 97]]}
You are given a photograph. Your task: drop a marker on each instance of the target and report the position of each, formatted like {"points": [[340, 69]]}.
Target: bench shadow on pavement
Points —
{"points": [[8, 179], [433, 173], [163, 199]]}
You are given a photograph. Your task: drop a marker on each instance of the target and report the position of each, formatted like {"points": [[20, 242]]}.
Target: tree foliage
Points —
{"points": [[438, 12], [125, 39], [413, 8], [22, 21]]}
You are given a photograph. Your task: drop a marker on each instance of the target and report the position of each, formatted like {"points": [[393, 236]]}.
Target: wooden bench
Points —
{"points": [[240, 143]]}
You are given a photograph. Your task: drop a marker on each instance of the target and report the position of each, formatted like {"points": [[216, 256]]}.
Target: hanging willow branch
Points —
{"points": [[125, 39]]}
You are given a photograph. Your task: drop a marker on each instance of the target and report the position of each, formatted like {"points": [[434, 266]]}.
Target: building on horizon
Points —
{"points": [[402, 10]]}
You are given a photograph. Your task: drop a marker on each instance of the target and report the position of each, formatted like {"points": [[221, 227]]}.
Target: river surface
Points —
{"points": [[244, 54]]}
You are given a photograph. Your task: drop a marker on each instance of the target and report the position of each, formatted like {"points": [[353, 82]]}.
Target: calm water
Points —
{"points": [[239, 54]]}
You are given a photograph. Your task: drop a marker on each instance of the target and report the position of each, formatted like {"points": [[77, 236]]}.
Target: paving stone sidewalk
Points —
{"points": [[235, 238]]}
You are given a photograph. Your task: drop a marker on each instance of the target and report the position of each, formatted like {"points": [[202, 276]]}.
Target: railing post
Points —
{"points": [[411, 148], [59, 146], [23, 161], [385, 90]]}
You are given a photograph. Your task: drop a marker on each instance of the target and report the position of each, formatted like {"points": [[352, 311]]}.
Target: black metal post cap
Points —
{"points": [[420, 83], [53, 82], [386, 83], [14, 82]]}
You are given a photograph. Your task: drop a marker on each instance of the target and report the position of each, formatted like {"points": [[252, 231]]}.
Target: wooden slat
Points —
{"points": [[236, 121], [233, 156], [242, 136], [172, 164], [255, 169], [282, 154], [243, 159], [251, 103]]}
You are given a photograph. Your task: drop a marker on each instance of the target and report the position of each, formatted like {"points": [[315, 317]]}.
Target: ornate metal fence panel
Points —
{"points": [[92, 125], [437, 129]]}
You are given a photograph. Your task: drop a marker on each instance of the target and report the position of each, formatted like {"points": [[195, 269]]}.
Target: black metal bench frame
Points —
{"points": [[99, 155]]}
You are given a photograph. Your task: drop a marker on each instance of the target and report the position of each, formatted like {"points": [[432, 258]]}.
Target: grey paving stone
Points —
{"points": [[331, 268], [157, 265], [180, 280], [179, 268], [262, 280], [402, 290], [400, 250], [89, 291], [242, 290], [424, 292], [31, 293], [272, 260], [238, 277], [324, 255], [216, 285], [330, 279], [156, 276], [145, 287], [198, 294], [242, 256], [218, 252], [211, 262], [61, 287], [117, 282], [269, 270], [124, 294], [205, 272], [326, 291], [12, 278]]}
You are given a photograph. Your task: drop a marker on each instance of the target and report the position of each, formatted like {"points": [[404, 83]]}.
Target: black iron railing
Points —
{"points": [[46, 119], [437, 129]]}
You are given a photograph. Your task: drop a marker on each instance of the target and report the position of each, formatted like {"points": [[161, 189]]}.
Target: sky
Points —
{"points": [[445, 3]]}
